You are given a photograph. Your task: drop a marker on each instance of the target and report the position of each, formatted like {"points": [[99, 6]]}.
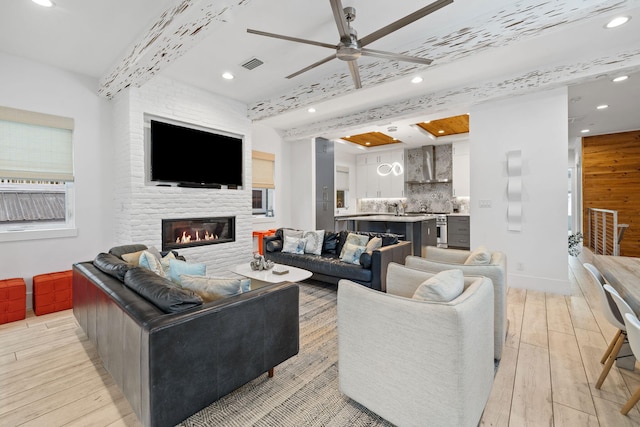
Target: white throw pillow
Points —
{"points": [[443, 287], [479, 256], [288, 232], [211, 288], [149, 261], [354, 239], [351, 253], [313, 242], [293, 245], [373, 244]]}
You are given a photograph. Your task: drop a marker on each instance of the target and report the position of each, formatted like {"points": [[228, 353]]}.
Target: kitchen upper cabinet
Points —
{"points": [[370, 184], [461, 166]]}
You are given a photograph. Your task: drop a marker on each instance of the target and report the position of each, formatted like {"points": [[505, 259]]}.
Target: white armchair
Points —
{"points": [[416, 362], [439, 259]]}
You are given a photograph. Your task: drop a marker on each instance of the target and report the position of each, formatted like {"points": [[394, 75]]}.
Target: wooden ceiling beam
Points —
{"points": [[176, 31]]}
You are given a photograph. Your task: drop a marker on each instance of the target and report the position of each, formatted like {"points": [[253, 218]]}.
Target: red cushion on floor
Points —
{"points": [[52, 292], [13, 300]]}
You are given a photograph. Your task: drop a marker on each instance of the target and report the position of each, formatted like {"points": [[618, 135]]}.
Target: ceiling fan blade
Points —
{"points": [[314, 65], [291, 39], [421, 13], [395, 56], [341, 21], [355, 74]]}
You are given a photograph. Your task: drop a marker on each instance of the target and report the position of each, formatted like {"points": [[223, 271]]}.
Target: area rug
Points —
{"points": [[304, 390]]}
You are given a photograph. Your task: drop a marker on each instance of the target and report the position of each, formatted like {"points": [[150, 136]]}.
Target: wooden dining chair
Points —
{"points": [[633, 332], [608, 308], [623, 308]]}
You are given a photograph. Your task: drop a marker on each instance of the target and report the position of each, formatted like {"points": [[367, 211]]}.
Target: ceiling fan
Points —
{"points": [[350, 48]]}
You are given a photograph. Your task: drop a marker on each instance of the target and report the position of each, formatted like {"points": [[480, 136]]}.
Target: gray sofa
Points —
{"points": [[327, 267], [171, 362]]}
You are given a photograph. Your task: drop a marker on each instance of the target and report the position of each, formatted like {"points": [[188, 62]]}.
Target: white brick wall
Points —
{"points": [[139, 208]]}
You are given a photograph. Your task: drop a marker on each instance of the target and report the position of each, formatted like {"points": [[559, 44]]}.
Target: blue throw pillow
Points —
{"points": [[178, 267]]}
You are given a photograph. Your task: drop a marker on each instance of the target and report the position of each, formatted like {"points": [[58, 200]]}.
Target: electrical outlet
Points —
{"points": [[484, 203], [520, 266]]}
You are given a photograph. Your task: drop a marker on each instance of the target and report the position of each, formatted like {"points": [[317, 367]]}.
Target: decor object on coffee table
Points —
{"points": [[415, 361]]}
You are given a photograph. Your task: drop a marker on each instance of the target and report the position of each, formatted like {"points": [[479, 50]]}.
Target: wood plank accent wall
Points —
{"points": [[611, 180]]}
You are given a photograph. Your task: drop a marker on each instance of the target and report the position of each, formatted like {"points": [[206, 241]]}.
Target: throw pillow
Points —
{"points": [[293, 245], [165, 262], [330, 242], [178, 268], [443, 287], [356, 240], [351, 253], [313, 242], [132, 257], [211, 288], [149, 261], [479, 256], [155, 252], [112, 265], [373, 244], [289, 232]]}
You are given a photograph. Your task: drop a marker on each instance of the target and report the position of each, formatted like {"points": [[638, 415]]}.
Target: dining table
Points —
{"points": [[623, 274]]}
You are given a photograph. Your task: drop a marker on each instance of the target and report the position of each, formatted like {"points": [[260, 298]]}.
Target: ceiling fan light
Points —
{"points": [[617, 21], [45, 3]]}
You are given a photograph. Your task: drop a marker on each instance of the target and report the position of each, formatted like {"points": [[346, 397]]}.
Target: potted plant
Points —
{"points": [[574, 243]]}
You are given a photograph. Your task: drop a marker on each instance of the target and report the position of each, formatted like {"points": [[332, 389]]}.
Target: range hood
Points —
{"points": [[428, 167]]}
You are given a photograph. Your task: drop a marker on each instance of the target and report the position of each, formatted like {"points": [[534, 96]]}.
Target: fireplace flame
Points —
{"points": [[186, 238]]}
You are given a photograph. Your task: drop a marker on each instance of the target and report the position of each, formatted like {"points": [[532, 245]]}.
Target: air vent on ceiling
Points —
{"points": [[252, 63]]}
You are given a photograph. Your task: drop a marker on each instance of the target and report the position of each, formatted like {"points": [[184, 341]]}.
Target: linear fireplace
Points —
{"points": [[188, 232]]}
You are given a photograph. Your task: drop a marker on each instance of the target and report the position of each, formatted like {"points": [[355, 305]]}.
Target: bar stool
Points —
{"points": [[260, 235]]}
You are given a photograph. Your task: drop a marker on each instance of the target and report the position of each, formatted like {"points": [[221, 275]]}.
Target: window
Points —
{"points": [[36, 172], [263, 194]]}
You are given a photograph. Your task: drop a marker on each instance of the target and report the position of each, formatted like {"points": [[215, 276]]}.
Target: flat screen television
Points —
{"points": [[194, 157]]}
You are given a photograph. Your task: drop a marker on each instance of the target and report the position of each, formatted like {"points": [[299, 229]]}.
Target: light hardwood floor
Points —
{"points": [[50, 374]]}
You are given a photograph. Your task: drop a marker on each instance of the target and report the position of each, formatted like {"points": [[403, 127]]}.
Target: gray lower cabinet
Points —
{"points": [[458, 232]]}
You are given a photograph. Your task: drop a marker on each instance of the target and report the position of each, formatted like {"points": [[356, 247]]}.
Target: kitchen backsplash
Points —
{"points": [[429, 197]]}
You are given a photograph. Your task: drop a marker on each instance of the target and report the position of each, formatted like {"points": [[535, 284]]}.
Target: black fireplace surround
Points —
{"points": [[188, 232]]}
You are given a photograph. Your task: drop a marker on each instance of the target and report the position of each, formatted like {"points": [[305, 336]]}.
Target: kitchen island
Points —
{"points": [[419, 229]]}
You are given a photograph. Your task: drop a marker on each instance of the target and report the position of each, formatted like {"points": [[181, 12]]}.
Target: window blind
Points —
{"points": [[35, 146], [263, 166]]}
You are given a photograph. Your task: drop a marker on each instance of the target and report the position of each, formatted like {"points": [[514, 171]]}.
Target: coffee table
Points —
{"points": [[295, 274]]}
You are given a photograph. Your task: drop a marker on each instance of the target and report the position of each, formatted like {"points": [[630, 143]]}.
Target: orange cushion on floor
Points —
{"points": [[13, 300], [52, 292]]}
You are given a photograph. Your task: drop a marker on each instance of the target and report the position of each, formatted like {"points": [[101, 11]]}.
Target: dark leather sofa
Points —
{"points": [[171, 365], [327, 267]]}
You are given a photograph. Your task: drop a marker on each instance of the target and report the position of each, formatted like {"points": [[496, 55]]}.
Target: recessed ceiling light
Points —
{"points": [[620, 79], [367, 143], [227, 76], [427, 122], [311, 110], [602, 107], [440, 131], [45, 3], [416, 79], [585, 131], [617, 21]]}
